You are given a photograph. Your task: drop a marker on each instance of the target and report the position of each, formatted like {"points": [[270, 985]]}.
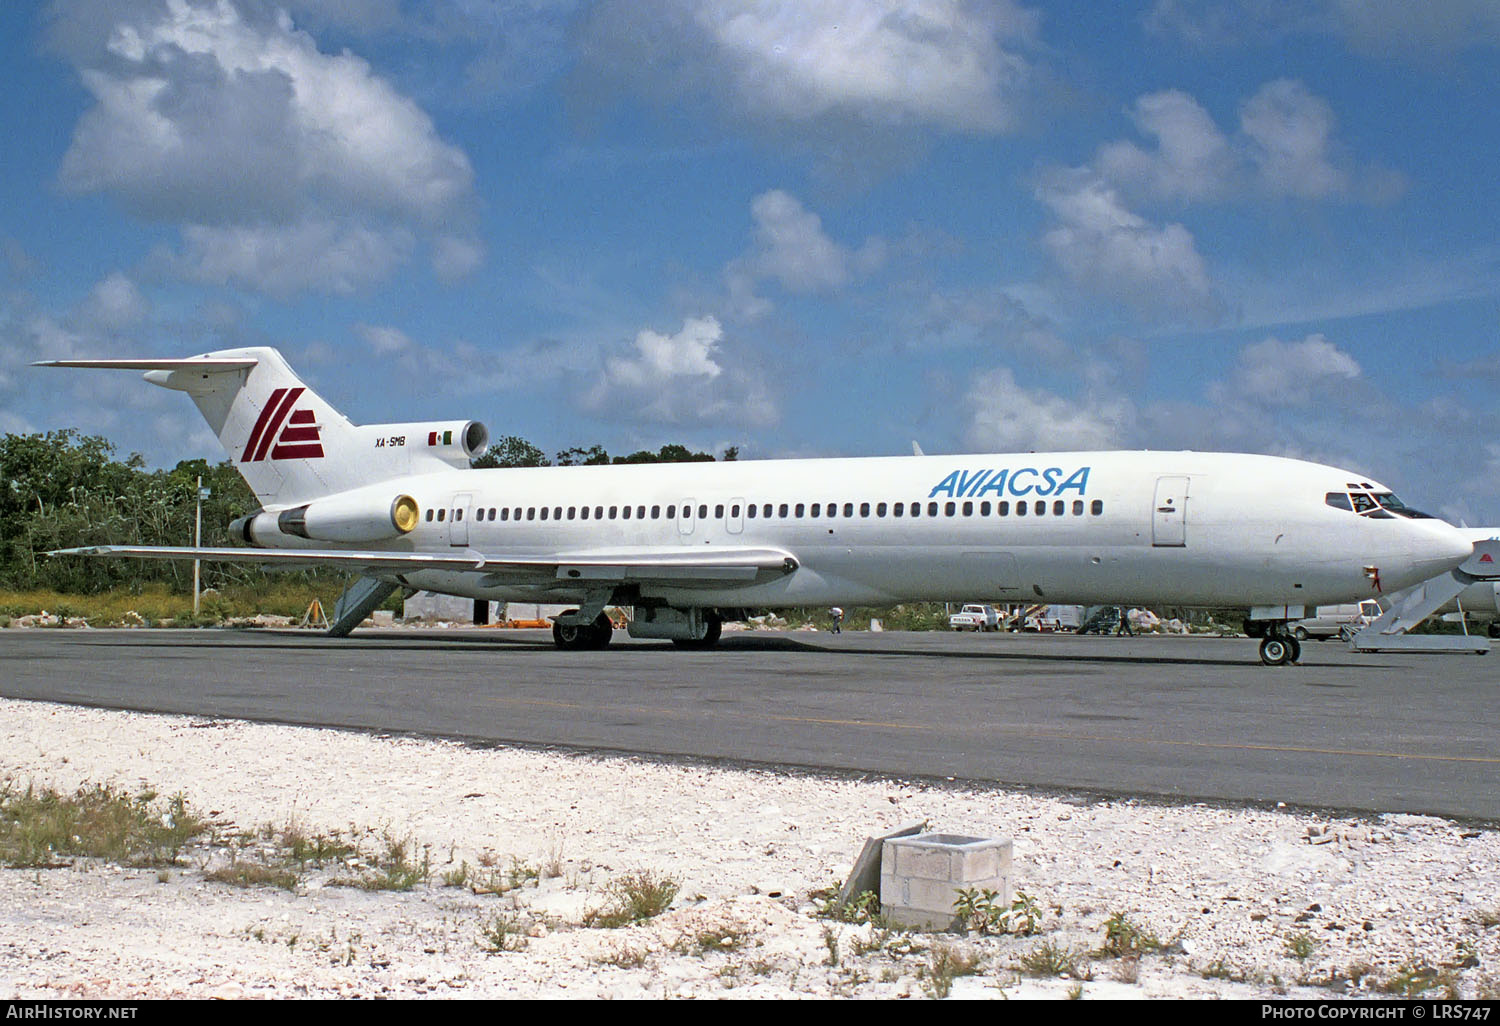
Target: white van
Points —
{"points": [[1336, 621]]}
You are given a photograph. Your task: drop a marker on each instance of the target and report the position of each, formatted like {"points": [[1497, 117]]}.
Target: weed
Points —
{"points": [[253, 874], [945, 963], [831, 942], [863, 908], [635, 898], [1052, 958], [977, 910], [1301, 946], [1123, 937], [394, 870], [623, 956], [1412, 980], [39, 826], [500, 933], [725, 938]]}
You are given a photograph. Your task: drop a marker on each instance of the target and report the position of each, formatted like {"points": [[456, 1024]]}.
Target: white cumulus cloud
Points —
{"points": [[228, 120]]}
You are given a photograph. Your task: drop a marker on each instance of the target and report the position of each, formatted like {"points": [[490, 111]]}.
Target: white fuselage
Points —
{"points": [[1140, 528]]}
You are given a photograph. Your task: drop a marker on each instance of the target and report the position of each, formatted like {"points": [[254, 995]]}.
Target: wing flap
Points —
{"points": [[669, 566]]}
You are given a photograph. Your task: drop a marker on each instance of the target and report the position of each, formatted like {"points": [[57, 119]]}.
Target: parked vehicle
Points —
{"points": [[975, 618], [1336, 621]]}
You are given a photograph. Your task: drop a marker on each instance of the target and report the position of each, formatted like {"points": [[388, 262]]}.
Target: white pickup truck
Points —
{"points": [[975, 618]]}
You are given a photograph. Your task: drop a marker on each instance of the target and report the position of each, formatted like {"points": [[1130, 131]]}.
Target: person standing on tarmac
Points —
{"points": [[838, 619], [1124, 627]]}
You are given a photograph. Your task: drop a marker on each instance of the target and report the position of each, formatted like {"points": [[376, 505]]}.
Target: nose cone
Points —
{"points": [[1437, 547]]}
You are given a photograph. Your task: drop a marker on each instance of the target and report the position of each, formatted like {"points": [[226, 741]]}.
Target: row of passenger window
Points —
{"points": [[795, 511]]}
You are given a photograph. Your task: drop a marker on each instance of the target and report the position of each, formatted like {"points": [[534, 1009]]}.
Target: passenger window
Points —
{"points": [[1002, 508], [583, 513], [1041, 508], [734, 511], [848, 509], [1078, 507], [1058, 507], [916, 509], [640, 512], [968, 509], [429, 516], [572, 512], [530, 512], [781, 510], [544, 512], [672, 512], [655, 512], [798, 510], [898, 509], [614, 512], [750, 511], [817, 510], [719, 511], [458, 514], [442, 514], [880, 509], [1097, 507], [932, 509], [624, 512], [950, 508], [505, 514], [765, 511], [984, 509], [1020, 509]]}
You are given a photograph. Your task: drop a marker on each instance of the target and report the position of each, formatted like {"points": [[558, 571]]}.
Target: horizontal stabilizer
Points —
{"points": [[200, 364]]}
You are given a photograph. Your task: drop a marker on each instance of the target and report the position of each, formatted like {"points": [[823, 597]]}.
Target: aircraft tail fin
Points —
{"points": [[290, 445]]}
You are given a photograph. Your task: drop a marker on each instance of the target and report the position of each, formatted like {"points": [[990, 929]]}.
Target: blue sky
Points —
{"points": [[800, 228]]}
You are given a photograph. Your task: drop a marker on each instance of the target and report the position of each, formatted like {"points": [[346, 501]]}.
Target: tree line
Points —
{"points": [[64, 489]]}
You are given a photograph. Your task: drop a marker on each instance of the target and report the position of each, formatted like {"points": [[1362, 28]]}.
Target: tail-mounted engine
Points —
{"points": [[422, 447], [338, 518]]}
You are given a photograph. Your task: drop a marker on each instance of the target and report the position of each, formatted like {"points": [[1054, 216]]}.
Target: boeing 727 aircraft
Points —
{"points": [[691, 545]]}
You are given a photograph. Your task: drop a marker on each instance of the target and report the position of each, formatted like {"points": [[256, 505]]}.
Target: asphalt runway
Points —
{"points": [[1188, 718]]}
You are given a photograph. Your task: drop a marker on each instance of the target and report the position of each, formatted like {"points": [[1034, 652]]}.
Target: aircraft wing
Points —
{"points": [[679, 567]]}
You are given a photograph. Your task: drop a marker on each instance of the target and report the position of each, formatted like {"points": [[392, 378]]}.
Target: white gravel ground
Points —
{"points": [[1393, 903]]}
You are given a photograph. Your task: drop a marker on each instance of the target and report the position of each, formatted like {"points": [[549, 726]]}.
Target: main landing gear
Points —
{"points": [[1278, 648], [579, 637]]}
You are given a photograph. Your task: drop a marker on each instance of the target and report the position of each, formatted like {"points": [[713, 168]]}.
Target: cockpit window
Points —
{"points": [[1395, 505], [1373, 504]]}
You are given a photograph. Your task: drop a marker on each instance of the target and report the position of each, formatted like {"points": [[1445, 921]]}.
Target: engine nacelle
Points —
{"points": [[454, 442], [339, 518], [668, 623]]}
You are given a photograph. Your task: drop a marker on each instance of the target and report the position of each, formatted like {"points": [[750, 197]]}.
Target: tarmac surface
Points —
{"points": [[1183, 718]]}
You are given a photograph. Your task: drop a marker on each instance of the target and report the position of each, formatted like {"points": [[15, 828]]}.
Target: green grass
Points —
{"points": [[40, 827], [634, 898]]}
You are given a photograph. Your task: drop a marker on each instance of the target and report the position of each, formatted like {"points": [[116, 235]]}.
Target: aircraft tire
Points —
{"points": [[710, 636], [571, 638], [601, 632], [1296, 644], [1275, 651]]}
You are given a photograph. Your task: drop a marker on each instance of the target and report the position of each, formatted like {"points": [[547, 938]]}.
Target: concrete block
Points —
{"points": [[921, 875], [866, 874]]}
